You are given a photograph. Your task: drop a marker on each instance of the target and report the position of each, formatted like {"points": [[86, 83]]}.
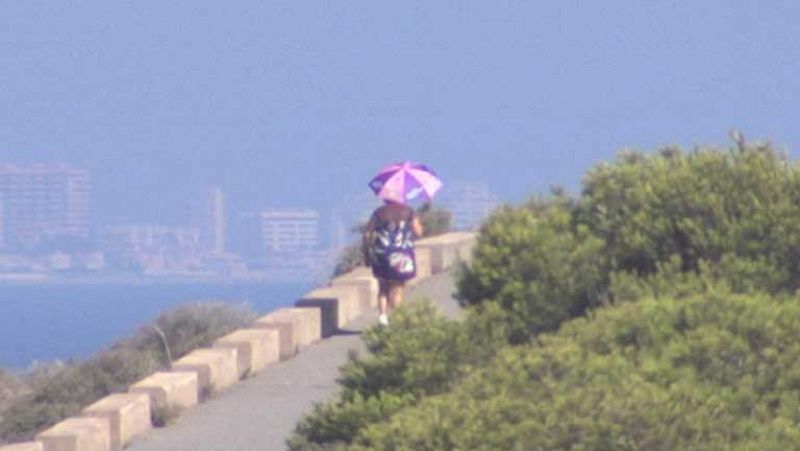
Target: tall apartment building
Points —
{"points": [[289, 230], [43, 201], [214, 222], [470, 203]]}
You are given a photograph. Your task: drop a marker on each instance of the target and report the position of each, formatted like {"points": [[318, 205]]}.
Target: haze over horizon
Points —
{"points": [[298, 104]]}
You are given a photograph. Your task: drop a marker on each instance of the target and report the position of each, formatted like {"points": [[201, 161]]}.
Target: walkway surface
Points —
{"points": [[259, 414]]}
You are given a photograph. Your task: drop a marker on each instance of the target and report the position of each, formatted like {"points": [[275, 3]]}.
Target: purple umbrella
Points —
{"points": [[404, 182]]}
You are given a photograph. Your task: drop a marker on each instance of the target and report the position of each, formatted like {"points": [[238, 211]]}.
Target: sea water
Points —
{"points": [[47, 322]]}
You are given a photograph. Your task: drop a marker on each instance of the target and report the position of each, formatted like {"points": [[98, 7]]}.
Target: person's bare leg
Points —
{"points": [[395, 295], [383, 302]]}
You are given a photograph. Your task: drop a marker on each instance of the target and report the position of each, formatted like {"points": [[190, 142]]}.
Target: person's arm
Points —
{"points": [[416, 226]]}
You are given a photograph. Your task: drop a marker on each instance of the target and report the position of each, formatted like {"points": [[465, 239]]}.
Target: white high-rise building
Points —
{"points": [[290, 230], [469, 202], [214, 222], [44, 201]]}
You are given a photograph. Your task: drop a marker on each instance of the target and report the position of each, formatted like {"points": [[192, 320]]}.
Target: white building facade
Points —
{"points": [[290, 230], [44, 201]]}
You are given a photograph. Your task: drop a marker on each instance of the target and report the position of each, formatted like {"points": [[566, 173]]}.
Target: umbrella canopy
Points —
{"points": [[404, 182]]}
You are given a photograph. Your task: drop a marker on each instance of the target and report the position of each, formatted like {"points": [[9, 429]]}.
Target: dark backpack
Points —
{"points": [[390, 248]]}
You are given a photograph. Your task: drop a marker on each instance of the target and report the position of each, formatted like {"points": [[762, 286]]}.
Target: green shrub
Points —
{"points": [[56, 392], [732, 215], [10, 387], [421, 354], [703, 205], [60, 392], [435, 220], [189, 327], [715, 371], [652, 312], [538, 266]]}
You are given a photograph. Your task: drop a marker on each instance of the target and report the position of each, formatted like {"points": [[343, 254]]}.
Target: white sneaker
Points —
{"points": [[383, 320]]}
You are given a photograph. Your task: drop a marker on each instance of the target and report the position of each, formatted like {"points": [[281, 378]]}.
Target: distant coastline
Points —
{"points": [[13, 279]]}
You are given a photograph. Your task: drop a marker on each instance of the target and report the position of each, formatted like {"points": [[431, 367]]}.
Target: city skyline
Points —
{"points": [[46, 229], [301, 106], [212, 216]]}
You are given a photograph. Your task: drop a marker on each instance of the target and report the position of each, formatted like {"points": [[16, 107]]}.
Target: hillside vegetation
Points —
{"points": [[50, 393], [656, 310]]}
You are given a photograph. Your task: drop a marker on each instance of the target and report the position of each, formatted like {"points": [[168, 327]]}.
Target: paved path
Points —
{"points": [[260, 413]]}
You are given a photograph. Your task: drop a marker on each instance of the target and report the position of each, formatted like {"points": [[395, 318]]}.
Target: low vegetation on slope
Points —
{"points": [[698, 373], [54, 392], [657, 310]]}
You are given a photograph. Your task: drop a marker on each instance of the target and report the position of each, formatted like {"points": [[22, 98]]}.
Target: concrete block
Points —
{"points": [[297, 327], [347, 298], [128, 415], [423, 257], [433, 248], [359, 271], [328, 309], [463, 242], [77, 434], [447, 250], [169, 389], [216, 368], [255, 348], [28, 446], [367, 292], [287, 343], [311, 324]]}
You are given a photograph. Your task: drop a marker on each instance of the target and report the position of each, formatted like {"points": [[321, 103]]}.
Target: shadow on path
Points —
{"points": [[347, 332]]}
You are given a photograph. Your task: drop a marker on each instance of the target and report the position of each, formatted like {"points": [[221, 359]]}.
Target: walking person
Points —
{"points": [[389, 244], [388, 240]]}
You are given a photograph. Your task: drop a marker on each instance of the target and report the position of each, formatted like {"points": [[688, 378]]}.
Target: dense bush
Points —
{"points": [[10, 387], [712, 371], [731, 215], [435, 220], [654, 311], [421, 354], [55, 392], [189, 327], [537, 265], [704, 205]]}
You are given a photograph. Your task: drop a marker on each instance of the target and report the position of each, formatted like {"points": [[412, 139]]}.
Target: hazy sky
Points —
{"points": [[299, 103]]}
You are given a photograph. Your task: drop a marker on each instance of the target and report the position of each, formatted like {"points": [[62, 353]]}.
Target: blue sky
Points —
{"points": [[299, 103]]}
